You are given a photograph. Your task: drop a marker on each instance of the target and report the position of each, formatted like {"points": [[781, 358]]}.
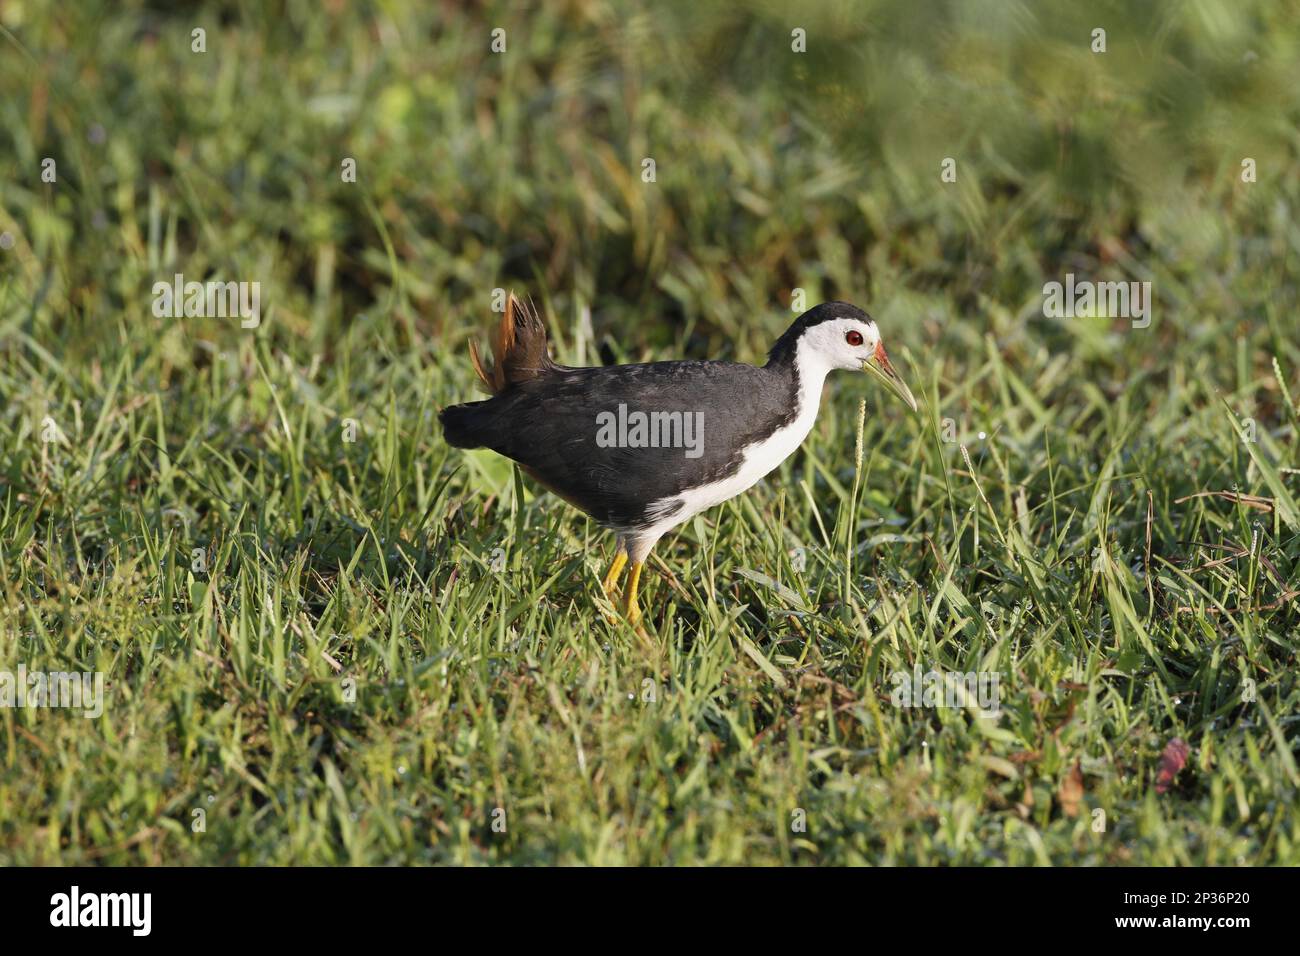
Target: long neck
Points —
{"points": [[806, 369]]}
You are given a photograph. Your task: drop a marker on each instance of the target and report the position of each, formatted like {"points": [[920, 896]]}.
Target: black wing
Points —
{"points": [[553, 426]]}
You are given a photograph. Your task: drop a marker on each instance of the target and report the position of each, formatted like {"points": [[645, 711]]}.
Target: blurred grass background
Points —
{"points": [[775, 171]]}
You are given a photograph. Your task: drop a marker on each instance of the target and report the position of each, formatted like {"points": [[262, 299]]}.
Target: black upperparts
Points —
{"points": [[782, 353], [553, 426]]}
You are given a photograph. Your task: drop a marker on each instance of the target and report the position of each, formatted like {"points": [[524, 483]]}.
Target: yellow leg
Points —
{"points": [[630, 608], [615, 569]]}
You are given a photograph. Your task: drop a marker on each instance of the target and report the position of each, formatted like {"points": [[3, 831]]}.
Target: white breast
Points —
{"points": [[759, 459]]}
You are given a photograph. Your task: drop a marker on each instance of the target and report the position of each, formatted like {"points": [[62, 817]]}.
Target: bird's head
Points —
{"points": [[838, 335]]}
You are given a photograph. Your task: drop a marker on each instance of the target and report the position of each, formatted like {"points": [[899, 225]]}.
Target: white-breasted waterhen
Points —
{"points": [[642, 448]]}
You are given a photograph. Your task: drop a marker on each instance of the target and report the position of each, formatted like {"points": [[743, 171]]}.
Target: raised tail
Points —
{"points": [[519, 350], [519, 353]]}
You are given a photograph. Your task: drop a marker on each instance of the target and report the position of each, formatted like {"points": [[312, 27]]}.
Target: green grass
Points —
{"points": [[1063, 538]]}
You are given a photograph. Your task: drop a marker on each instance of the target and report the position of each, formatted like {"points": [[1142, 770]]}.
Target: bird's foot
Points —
{"points": [[610, 584], [631, 609]]}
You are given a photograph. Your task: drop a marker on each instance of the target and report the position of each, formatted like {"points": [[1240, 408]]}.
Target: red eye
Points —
{"points": [[853, 337]]}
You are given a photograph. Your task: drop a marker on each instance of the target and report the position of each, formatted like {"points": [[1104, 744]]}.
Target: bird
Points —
{"points": [[642, 448]]}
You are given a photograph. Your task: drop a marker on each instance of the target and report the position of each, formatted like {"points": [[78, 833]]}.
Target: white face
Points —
{"points": [[842, 343]]}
